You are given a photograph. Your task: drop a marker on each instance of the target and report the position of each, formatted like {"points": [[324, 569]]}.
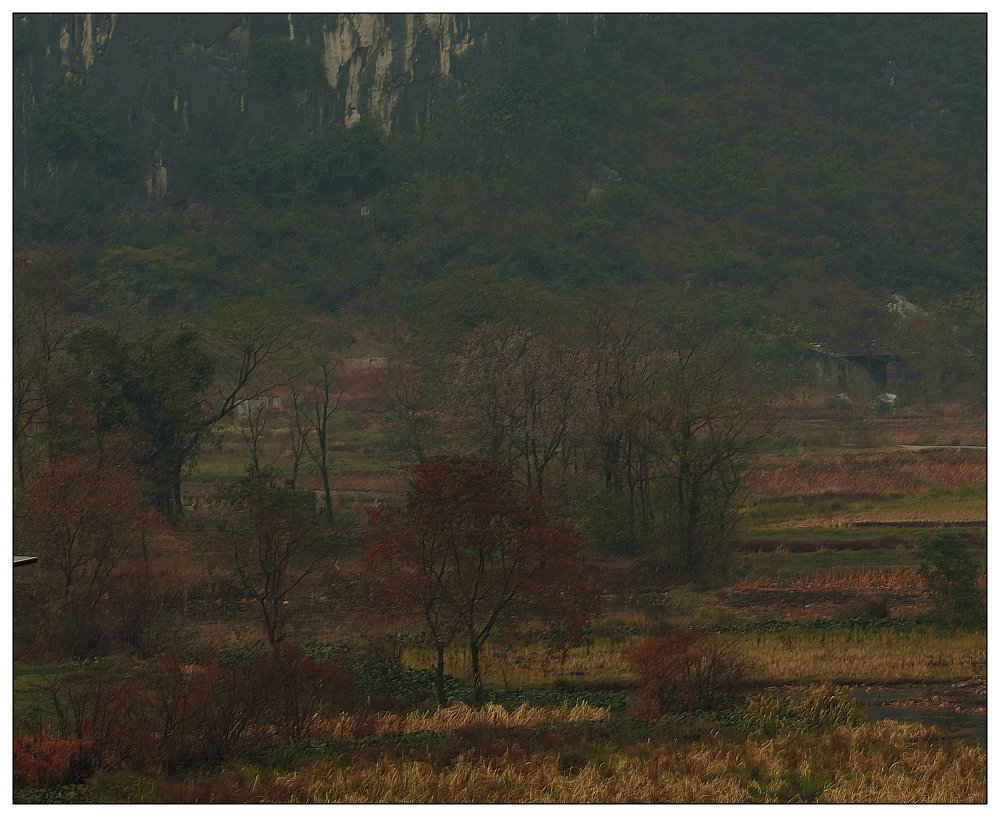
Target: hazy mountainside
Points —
{"points": [[799, 168], [173, 85]]}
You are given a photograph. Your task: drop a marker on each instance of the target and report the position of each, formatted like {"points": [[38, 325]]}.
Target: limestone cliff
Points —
{"points": [[173, 84]]}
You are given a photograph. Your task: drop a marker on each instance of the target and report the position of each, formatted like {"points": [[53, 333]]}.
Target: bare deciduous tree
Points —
{"points": [[275, 541], [704, 426], [407, 384], [517, 394], [41, 328], [85, 521], [314, 409], [252, 427], [624, 354], [276, 545]]}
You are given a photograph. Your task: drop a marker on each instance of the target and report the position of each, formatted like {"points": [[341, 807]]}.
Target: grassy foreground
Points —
{"points": [[814, 750]]}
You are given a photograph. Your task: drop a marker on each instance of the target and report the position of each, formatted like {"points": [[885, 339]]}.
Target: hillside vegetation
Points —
{"points": [[760, 157]]}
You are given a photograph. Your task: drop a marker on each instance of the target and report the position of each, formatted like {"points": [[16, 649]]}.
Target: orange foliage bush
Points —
{"points": [[41, 761], [683, 671]]}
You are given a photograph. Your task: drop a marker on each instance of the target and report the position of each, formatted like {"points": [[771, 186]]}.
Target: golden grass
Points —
{"points": [[524, 665], [874, 762], [812, 423], [789, 656], [454, 717], [869, 579], [627, 618], [869, 656], [940, 509]]}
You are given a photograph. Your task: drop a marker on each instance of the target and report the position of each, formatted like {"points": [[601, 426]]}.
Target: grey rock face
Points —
{"points": [[174, 84]]}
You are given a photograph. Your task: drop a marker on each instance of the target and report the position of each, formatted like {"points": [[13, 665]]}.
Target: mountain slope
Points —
{"points": [[194, 156]]}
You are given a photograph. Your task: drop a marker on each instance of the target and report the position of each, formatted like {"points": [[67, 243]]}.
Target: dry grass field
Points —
{"points": [[818, 750]]}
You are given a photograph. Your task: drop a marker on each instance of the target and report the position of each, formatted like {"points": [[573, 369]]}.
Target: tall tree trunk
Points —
{"points": [[166, 489], [442, 697], [477, 679], [175, 499], [324, 472], [644, 503], [630, 484]]}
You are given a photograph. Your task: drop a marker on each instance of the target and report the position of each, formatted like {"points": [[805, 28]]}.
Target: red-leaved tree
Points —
{"points": [[469, 548], [88, 523]]}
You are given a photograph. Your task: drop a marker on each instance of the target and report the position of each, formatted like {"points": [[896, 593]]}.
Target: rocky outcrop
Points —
{"points": [[173, 84]]}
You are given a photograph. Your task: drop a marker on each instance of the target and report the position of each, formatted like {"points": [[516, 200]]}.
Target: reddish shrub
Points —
{"points": [[209, 712], [683, 671], [107, 719], [181, 716], [308, 687], [41, 761]]}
